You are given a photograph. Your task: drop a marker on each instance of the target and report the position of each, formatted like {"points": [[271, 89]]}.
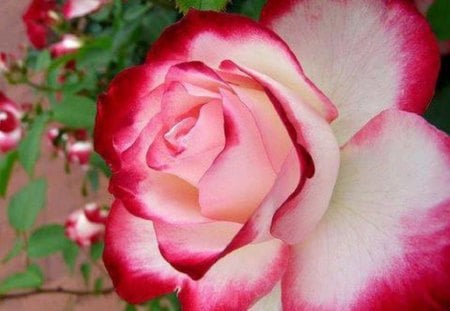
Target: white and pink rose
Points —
{"points": [[10, 124], [281, 164], [86, 226]]}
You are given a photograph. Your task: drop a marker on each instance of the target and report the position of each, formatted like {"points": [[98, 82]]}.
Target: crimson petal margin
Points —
{"points": [[384, 243], [365, 55], [140, 273], [204, 36]]}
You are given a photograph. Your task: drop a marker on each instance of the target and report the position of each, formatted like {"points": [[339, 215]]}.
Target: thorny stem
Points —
{"points": [[57, 290]]}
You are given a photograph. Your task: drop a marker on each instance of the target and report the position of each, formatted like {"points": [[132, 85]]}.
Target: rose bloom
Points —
{"points": [[10, 126], [78, 8], [86, 226], [281, 164], [79, 152], [37, 19]]}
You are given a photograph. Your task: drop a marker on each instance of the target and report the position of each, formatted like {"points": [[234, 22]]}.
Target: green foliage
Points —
{"points": [[96, 251], [439, 111], [98, 284], [47, 240], [43, 60], [215, 5], [6, 165], [85, 270], [75, 112], [439, 17], [250, 8], [29, 148], [70, 254], [26, 204], [31, 278], [17, 248]]}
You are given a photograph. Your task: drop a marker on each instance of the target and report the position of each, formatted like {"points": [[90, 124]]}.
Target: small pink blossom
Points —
{"points": [[79, 152], [68, 44], [78, 8], [10, 126], [83, 229]]}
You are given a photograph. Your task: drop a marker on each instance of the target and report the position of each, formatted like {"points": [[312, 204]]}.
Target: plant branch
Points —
{"points": [[57, 290]]}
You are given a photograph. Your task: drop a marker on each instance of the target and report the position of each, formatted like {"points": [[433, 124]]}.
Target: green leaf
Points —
{"points": [[26, 204], [129, 307], [85, 269], [439, 111], [439, 17], [70, 254], [43, 60], [29, 148], [32, 278], [97, 52], [6, 166], [96, 250], [250, 8], [216, 5], [15, 250], [98, 284], [75, 111], [97, 161], [94, 179], [135, 11], [155, 21], [46, 240]]}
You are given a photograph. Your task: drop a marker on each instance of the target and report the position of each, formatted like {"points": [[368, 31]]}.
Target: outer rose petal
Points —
{"points": [[270, 302], [140, 273], [131, 255], [365, 55], [203, 36], [238, 280], [384, 243]]}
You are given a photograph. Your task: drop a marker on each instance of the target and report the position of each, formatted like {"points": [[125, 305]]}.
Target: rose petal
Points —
{"points": [[365, 55], [132, 258], [238, 280], [203, 36], [242, 175], [139, 272], [384, 243], [130, 102], [303, 210]]}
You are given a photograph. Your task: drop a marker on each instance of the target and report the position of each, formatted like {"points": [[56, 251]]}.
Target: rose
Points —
{"points": [[10, 126], [86, 226], [78, 8], [230, 186], [37, 19]]}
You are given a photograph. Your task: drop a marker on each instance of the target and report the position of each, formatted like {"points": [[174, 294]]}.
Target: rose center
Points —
{"points": [[8, 122], [176, 136]]}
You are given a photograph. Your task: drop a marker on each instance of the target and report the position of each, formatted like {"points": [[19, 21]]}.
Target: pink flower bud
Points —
{"points": [[81, 230], [78, 8], [95, 213], [79, 152], [10, 127], [69, 44]]}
